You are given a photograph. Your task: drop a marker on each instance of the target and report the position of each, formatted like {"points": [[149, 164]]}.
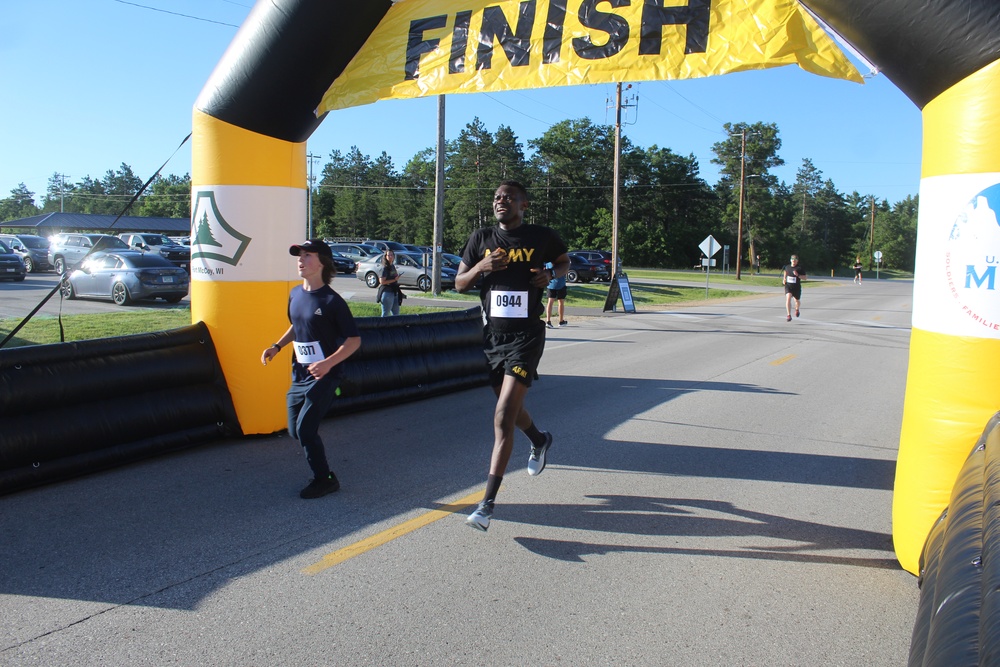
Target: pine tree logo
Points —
{"points": [[212, 237], [203, 233]]}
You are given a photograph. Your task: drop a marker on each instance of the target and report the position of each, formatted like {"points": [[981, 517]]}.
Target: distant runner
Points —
{"points": [[792, 277]]}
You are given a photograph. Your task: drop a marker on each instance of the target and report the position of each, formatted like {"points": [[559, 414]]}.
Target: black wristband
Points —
{"points": [[276, 346]]}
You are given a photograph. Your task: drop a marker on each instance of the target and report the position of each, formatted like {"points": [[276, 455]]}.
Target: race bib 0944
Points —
{"points": [[509, 304]]}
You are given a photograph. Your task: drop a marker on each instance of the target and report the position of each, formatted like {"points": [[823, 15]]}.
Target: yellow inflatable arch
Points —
{"points": [[293, 61]]}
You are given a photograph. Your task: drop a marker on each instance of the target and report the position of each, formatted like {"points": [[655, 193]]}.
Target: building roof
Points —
{"points": [[47, 224]]}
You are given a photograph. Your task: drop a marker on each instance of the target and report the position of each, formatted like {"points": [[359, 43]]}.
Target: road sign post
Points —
{"points": [[709, 246]]}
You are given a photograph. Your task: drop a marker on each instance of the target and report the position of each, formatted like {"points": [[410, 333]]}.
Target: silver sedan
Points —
{"points": [[411, 272], [126, 276]]}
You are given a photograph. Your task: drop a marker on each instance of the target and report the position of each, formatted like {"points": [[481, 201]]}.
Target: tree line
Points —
{"points": [[665, 207]]}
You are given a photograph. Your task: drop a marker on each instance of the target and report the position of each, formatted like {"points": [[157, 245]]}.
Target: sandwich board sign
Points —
{"points": [[620, 288]]}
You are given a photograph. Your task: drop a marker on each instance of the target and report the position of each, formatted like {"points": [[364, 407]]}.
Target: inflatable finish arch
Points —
{"points": [[249, 180], [943, 54]]}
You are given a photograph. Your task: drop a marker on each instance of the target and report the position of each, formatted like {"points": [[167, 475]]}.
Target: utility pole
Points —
{"points": [[615, 264], [743, 179], [871, 236], [309, 226], [739, 224], [438, 201], [62, 190]]}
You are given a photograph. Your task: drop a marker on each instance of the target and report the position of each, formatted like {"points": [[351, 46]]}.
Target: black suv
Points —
{"points": [[582, 270], [34, 250], [11, 266], [165, 247], [597, 257]]}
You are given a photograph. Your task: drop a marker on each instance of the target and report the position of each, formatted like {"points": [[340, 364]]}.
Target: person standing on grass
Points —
{"points": [[510, 260], [557, 293], [792, 276], [389, 293], [323, 334]]}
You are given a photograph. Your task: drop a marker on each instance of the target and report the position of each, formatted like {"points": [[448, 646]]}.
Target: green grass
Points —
{"points": [[716, 278], [42, 330], [767, 278], [593, 295]]}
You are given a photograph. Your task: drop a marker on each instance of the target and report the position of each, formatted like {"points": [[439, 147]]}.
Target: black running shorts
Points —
{"points": [[516, 354]]}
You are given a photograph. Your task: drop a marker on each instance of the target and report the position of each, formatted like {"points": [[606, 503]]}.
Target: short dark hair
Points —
{"points": [[517, 185]]}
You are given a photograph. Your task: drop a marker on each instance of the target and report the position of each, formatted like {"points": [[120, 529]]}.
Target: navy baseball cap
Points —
{"points": [[317, 246]]}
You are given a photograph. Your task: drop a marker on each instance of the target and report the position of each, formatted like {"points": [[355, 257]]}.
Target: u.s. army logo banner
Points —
{"points": [[434, 47]]}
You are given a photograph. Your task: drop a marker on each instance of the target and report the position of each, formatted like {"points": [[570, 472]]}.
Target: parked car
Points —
{"points": [[67, 250], [452, 261], [411, 273], [164, 246], [598, 256], [582, 270], [387, 245], [34, 250], [125, 276], [11, 266], [356, 251], [418, 249], [344, 263]]}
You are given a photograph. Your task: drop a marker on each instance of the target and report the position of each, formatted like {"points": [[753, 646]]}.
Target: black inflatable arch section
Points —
{"points": [[410, 357], [923, 46], [958, 620], [75, 408]]}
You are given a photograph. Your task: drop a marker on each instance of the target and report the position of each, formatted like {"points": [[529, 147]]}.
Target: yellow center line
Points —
{"points": [[389, 534], [778, 362]]}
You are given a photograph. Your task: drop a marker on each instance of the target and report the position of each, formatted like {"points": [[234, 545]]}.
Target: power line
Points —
{"points": [[187, 16], [703, 110], [515, 110]]}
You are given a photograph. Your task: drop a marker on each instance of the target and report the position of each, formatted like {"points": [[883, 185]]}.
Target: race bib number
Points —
{"points": [[507, 304], [791, 280], [308, 353]]}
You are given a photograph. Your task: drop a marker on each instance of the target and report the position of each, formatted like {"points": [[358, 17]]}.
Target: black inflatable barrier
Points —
{"points": [[73, 408], [958, 618], [410, 357]]}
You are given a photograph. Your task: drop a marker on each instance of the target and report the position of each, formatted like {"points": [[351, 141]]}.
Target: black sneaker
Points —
{"points": [[536, 460], [480, 519], [320, 487]]}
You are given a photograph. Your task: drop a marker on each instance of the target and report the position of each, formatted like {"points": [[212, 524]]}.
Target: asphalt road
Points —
{"points": [[718, 492]]}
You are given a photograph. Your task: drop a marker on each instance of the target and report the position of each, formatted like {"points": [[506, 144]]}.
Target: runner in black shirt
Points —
{"points": [[792, 277], [323, 335], [510, 258]]}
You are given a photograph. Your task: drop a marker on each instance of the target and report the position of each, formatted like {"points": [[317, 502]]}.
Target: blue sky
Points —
{"points": [[91, 84]]}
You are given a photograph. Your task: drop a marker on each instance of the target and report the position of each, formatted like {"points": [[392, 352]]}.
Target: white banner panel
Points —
{"points": [[241, 233], [958, 251]]}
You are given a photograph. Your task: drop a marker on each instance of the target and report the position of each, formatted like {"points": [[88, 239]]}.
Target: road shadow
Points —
{"points": [[693, 518], [171, 531]]}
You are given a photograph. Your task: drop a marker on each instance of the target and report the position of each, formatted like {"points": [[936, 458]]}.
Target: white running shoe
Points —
{"points": [[536, 460], [480, 519]]}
